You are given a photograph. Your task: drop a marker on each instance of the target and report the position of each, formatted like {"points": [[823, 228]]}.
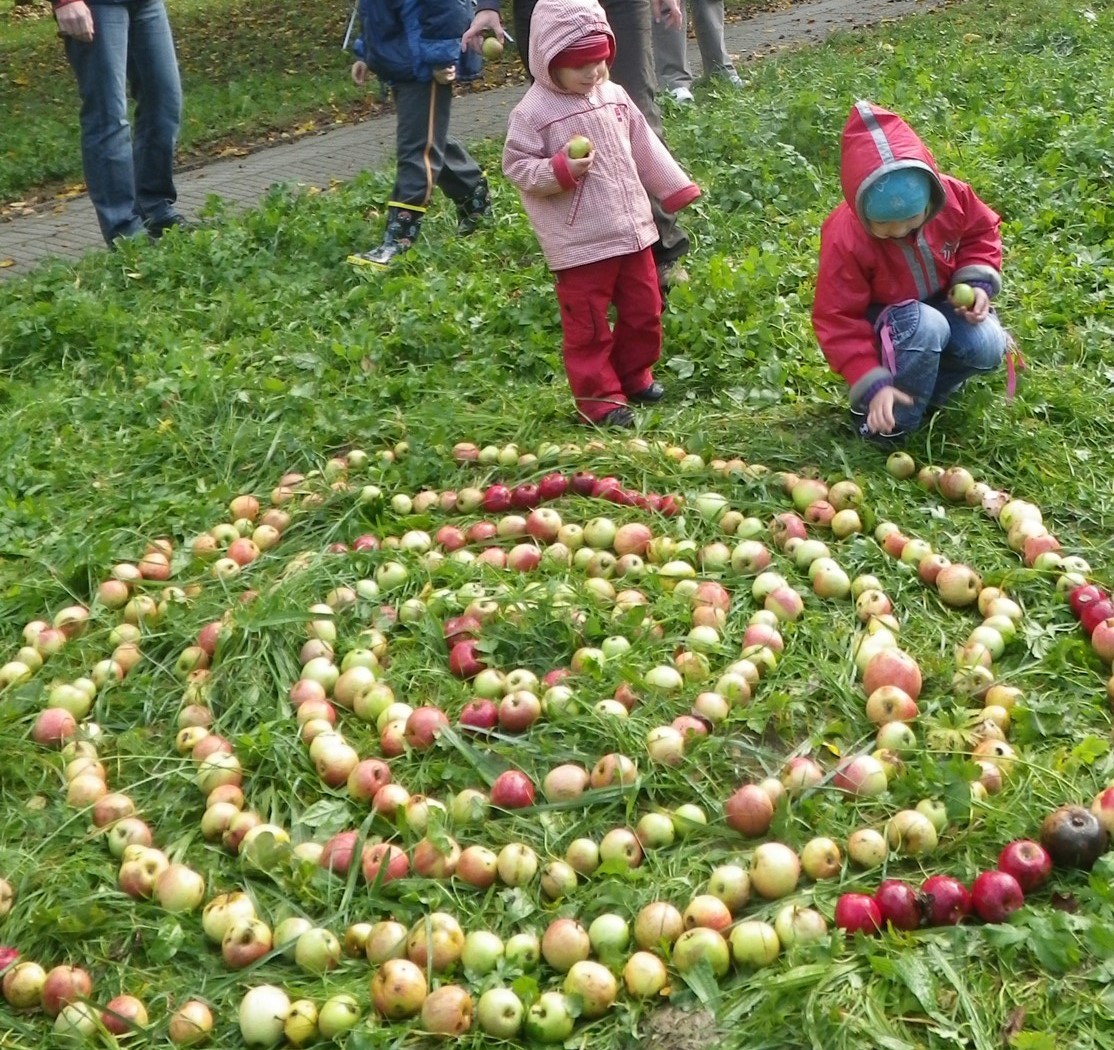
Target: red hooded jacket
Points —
{"points": [[959, 241]]}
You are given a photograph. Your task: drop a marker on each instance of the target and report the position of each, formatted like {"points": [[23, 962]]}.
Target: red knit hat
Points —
{"points": [[595, 47]]}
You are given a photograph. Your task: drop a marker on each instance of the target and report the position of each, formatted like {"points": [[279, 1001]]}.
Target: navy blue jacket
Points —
{"points": [[409, 39]]}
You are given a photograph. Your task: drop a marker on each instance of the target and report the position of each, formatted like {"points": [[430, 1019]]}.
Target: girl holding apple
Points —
{"points": [[909, 263], [586, 162]]}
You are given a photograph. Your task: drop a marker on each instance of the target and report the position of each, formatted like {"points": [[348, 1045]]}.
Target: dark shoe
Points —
{"points": [[895, 439], [621, 416], [155, 230], [670, 274], [653, 393], [472, 211]]}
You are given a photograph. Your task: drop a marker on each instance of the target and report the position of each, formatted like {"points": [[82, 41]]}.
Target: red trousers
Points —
{"points": [[606, 365]]}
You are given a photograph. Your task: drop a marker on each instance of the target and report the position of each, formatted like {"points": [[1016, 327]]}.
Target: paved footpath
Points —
{"points": [[69, 229]]}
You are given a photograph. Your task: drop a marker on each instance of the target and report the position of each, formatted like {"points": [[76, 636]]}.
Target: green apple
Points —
{"points": [[962, 295], [492, 49], [578, 146]]}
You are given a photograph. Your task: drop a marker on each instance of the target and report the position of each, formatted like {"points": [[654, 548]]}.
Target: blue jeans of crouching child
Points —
{"points": [[936, 351], [130, 175]]}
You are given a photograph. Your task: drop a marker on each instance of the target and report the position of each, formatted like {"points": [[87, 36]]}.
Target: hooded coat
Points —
{"points": [[959, 241], [607, 212]]}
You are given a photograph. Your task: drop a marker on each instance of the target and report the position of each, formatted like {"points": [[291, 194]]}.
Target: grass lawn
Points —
{"points": [[143, 390]]}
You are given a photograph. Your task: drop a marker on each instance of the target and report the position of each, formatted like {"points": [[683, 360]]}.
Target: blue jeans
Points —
{"points": [[130, 176], [936, 352]]}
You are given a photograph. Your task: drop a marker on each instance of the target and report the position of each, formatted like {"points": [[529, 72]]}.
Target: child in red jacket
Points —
{"points": [[586, 162], [909, 263]]}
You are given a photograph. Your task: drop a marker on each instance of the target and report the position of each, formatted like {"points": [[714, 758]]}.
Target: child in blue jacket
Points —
{"points": [[414, 45]]}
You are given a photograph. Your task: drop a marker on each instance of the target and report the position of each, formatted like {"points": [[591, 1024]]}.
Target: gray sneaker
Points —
{"points": [[682, 95]]}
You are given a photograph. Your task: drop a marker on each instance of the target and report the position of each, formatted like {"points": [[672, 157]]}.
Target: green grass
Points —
{"points": [[143, 389]]}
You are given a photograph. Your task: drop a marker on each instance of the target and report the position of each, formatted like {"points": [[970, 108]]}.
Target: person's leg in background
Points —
{"points": [[100, 67], [634, 71], [671, 59], [157, 89], [420, 108], [707, 24]]}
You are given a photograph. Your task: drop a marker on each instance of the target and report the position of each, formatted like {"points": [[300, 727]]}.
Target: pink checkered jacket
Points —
{"points": [[607, 212]]}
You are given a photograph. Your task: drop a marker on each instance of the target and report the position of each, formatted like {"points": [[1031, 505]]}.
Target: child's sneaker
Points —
{"points": [[653, 393], [620, 416], [895, 439]]}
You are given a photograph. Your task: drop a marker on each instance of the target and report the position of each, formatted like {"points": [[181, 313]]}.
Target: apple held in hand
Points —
{"points": [[492, 49], [962, 295], [578, 147]]}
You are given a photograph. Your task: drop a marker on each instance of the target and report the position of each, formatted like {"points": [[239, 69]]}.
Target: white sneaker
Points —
{"points": [[681, 94]]}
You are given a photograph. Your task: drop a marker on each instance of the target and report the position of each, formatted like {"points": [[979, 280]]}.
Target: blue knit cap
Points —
{"points": [[897, 195]]}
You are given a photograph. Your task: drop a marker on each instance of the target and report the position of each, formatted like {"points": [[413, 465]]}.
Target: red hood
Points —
{"points": [[876, 141]]}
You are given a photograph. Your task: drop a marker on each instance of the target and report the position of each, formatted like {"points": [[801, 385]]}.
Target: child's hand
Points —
{"points": [[978, 310], [579, 168], [359, 73], [445, 75], [880, 412]]}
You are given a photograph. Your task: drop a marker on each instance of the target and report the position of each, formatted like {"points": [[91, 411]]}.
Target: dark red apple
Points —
{"points": [[512, 790], [463, 661], [995, 894], [670, 505], [1073, 837], [749, 811], [366, 542], [525, 496], [1028, 862], [553, 486], [582, 482], [900, 904], [497, 499], [946, 900], [858, 913]]}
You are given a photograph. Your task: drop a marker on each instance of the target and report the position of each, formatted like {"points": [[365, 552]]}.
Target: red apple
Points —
{"points": [[946, 900], [553, 486], [858, 913], [1028, 862], [479, 714], [995, 894], [749, 811], [464, 661], [512, 789], [900, 904]]}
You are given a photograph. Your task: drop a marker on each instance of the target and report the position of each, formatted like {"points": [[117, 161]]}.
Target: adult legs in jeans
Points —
{"points": [[707, 23], [130, 178], [936, 352]]}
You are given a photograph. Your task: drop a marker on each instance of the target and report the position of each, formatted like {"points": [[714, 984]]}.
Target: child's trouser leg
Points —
{"points": [[918, 334], [421, 133], [585, 294], [637, 335], [973, 349]]}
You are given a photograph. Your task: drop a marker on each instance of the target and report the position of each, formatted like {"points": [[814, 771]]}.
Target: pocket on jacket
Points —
{"points": [[574, 207]]}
